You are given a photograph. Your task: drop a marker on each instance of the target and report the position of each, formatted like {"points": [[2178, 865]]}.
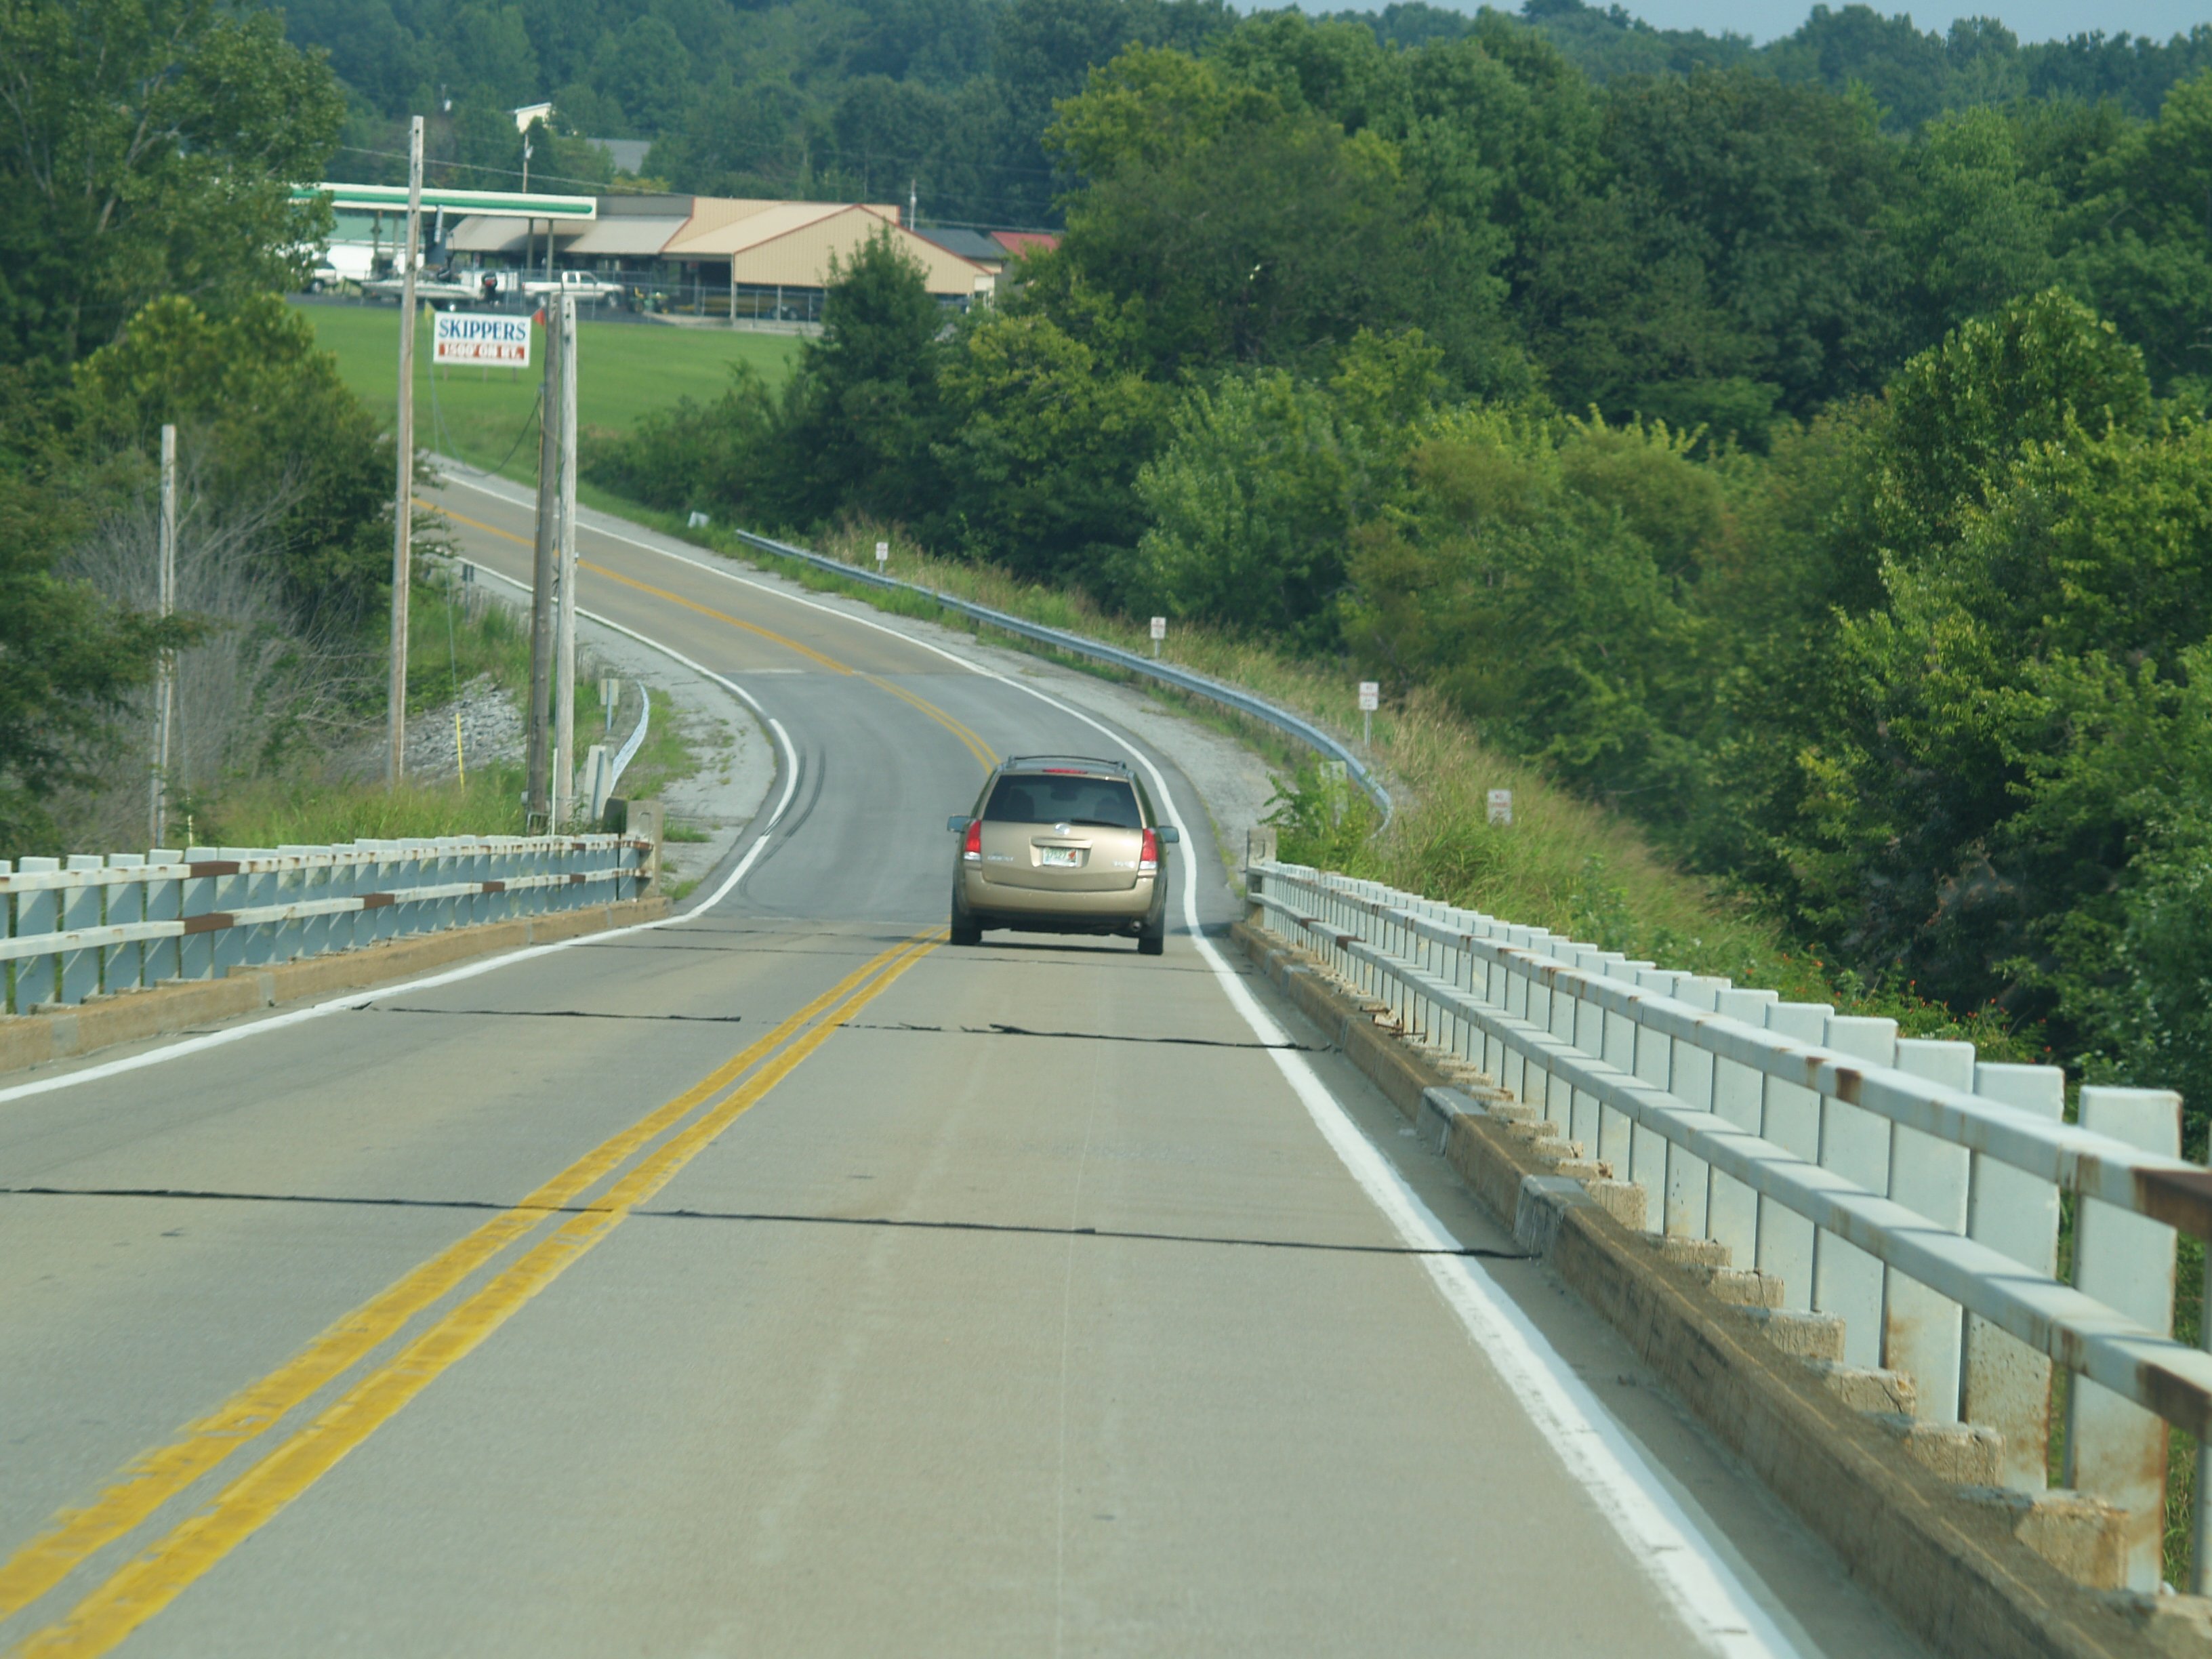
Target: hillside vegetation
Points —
{"points": [[1835, 504]]}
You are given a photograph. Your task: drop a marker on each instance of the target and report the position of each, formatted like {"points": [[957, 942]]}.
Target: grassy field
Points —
{"points": [[478, 415]]}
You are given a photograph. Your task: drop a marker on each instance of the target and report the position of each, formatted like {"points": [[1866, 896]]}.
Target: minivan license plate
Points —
{"points": [[1057, 855]]}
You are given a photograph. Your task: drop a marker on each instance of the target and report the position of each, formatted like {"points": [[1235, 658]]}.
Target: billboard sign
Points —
{"points": [[463, 337]]}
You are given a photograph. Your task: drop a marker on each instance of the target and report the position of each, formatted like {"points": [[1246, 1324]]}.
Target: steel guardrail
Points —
{"points": [[1182, 679]]}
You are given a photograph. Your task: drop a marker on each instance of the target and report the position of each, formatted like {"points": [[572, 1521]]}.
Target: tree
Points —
{"points": [[1973, 228], [270, 420], [150, 148], [862, 409], [1242, 231], [1043, 446], [66, 657]]}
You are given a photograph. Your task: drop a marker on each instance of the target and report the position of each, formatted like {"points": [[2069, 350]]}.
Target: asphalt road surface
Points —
{"points": [[783, 1280]]}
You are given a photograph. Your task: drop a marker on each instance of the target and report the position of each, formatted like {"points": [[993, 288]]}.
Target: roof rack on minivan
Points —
{"points": [[1089, 761]]}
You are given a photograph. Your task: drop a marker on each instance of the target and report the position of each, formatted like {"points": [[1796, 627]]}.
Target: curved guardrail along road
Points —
{"points": [[782, 1280]]}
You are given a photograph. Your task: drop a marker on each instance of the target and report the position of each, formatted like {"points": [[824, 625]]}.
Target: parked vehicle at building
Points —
{"points": [[1062, 844], [447, 290], [583, 284]]}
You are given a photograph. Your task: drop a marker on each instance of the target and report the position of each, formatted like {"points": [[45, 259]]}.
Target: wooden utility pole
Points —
{"points": [[165, 684], [543, 549], [403, 511], [564, 668]]}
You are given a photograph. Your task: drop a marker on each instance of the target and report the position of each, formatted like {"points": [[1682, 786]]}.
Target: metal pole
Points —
{"points": [[403, 561], [164, 689], [540, 804], [564, 688]]}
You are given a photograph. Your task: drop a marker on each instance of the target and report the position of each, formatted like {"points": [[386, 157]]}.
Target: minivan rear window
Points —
{"points": [[1028, 797]]}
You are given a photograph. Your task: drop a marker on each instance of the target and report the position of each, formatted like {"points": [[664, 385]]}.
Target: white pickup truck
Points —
{"points": [[582, 284]]}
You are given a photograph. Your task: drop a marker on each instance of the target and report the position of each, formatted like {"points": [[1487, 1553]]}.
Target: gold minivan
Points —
{"points": [[1062, 844]]}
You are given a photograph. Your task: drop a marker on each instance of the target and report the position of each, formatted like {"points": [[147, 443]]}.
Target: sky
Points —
{"points": [[2031, 19]]}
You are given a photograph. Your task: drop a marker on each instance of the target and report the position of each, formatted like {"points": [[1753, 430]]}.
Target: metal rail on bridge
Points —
{"points": [[95, 926], [1901, 1184]]}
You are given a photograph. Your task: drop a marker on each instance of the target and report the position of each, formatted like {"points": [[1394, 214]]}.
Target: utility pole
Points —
{"points": [[913, 205], [564, 685], [164, 685], [540, 806], [403, 512]]}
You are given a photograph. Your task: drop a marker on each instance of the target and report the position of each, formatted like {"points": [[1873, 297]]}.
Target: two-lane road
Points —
{"points": [[783, 1280]]}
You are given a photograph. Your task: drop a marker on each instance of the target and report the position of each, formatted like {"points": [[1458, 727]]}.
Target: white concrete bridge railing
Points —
{"points": [[1902, 1184], [88, 925]]}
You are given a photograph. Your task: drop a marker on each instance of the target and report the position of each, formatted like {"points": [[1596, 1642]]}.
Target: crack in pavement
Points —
{"points": [[997, 1029], [767, 1216]]}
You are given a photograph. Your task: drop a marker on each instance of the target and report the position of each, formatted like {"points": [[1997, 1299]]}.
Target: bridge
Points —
{"points": [[763, 1274]]}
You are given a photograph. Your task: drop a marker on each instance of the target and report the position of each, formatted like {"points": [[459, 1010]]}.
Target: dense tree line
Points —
{"points": [[1837, 503], [835, 97], [148, 229]]}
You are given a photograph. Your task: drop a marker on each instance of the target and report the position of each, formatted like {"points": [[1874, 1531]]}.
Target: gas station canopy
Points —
{"points": [[490, 204]]}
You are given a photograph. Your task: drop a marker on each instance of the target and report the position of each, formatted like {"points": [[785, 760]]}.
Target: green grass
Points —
{"points": [[624, 370]]}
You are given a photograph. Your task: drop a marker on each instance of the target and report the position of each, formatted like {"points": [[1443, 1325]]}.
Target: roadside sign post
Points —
{"points": [[1501, 806], [403, 553], [1370, 699], [564, 661], [1159, 633], [883, 556]]}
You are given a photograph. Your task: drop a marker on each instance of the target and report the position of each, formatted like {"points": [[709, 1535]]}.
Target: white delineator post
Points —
{"points": [[403, 504], [883, 556], [1370, 699], [1159, 633], [564, 672], [165, 686]]}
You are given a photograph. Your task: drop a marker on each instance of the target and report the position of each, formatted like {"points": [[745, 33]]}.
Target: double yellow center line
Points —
{"points": [[144, 1585]]}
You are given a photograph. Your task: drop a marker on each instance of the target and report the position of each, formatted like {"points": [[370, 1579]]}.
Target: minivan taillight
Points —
{"points": [[1148, 857], [972, 848]]}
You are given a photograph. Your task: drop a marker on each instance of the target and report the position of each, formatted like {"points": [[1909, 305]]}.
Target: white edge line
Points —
{"points": [[356, 998], [1707, 1595]]}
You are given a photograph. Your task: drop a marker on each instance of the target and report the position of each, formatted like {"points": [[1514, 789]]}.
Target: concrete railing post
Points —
{"points": [[1922, 1331], [1790, 1116], [123, 965], [164, 902], [196, 952], [1739, 1096], [80, 907], [2115, 1449], [1855, 1144]]}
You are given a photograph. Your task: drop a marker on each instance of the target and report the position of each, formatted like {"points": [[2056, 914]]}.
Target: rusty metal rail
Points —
{"points": [[97, 926], [1901, 1185]]}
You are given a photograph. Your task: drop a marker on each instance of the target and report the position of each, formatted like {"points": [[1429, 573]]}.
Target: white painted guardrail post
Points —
{"points": [[165, 898], [1922, 1332], [1855, 1144], [36, 912], [123, 966], [1790, 1116], [2114, 1447], [2007, 1384], [80, 908]]}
